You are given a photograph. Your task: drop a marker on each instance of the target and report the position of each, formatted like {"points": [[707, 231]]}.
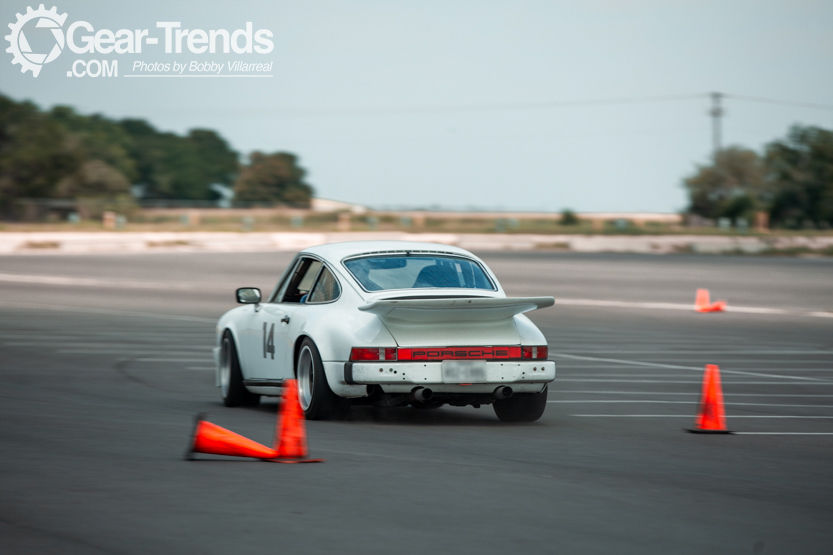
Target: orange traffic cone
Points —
{"points": [[718, 306], [703, 304], [215, 440], [291, 437], [711, 418]]}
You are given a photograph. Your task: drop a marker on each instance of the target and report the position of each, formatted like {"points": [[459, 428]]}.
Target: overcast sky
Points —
{"points": [[419, 103]]}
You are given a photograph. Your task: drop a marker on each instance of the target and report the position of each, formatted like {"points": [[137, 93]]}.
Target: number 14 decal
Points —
{"points": [[269, 341]]}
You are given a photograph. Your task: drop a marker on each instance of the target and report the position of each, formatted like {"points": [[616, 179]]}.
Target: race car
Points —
{"points": [[387, 323]]}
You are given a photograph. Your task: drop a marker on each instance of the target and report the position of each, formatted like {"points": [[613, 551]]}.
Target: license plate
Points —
{"points": [[464, 371]]}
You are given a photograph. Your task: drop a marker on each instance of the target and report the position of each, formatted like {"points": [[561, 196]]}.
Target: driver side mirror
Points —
{"points": [[248, 295]]}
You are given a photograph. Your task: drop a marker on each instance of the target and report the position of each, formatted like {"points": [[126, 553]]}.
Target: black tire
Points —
{"points": [[232, 390], [317, 399], [522, 407]]}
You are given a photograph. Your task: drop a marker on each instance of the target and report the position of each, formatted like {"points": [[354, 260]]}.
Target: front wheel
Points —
{"points": [[232, 390], [314, 394], [522, 407]]}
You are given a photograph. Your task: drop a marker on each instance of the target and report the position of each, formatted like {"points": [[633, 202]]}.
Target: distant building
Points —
{"points": [[329, 205]]}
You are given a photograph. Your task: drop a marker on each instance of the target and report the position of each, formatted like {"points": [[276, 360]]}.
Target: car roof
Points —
{"points": [[339, 251]]}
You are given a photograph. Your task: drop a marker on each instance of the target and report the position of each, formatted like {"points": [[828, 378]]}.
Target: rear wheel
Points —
{"points": [[232, 390], [522, 407], [317, 399]]}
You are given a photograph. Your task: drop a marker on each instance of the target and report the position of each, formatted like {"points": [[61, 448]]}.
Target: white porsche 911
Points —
{"points": [[388, 323]]}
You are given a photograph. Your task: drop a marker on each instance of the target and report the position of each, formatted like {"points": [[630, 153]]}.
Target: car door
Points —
{"points": [[270, 356]]}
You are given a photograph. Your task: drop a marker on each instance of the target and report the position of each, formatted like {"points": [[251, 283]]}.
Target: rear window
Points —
{"points": [[379, 273]]}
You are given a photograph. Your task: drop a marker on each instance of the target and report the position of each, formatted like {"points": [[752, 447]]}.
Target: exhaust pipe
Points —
{"points": [[503, 392], [421, 394]]}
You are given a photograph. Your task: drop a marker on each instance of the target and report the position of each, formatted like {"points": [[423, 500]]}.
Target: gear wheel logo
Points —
{"points": [[20, 49]]}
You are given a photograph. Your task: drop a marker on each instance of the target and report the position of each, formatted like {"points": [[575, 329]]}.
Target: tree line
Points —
{"points": [[61, 154], [791, 181]]}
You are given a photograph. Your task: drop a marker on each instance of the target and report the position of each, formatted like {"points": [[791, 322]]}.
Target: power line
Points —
{"points": [[493, 107], [501, 107], [781, 102]]}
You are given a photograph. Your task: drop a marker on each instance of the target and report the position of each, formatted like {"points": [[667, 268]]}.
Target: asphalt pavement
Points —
{"points": [[104, 360]]}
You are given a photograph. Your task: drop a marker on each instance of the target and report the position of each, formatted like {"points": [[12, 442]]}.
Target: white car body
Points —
{"points": [[268, 334]]}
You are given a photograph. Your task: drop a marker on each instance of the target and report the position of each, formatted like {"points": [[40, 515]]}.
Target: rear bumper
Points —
{"points": [[394, 377]]}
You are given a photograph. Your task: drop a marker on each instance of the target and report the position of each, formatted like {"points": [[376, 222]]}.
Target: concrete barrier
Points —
{"points": [[136, 242]]}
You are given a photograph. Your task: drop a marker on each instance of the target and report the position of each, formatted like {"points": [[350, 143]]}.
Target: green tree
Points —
{"points": [[97, 138], [218, 163], [568, 217], [800, 169], [273, 178], [35, 152], [61, 153], [97, 186], [732, 186], [175, 167], [94, 178]]}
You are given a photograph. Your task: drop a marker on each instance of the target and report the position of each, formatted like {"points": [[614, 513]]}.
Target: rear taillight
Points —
{"points": [[535, 352], [372, 353]]}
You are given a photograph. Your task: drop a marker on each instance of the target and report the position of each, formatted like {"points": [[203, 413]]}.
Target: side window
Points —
{"points": [[326, 288], [283, 282], [302, 280]]}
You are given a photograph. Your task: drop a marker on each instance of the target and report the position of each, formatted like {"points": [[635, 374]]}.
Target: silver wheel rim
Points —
{"points": [[306, 374], [225, 367]]}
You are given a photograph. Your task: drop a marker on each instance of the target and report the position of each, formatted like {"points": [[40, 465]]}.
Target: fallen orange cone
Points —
{"points": [[215, 440], [702, 303], [711, 418], [291, 436]]}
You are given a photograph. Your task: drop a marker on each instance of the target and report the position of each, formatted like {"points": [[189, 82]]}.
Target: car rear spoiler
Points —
{"points": [[455, 309]]}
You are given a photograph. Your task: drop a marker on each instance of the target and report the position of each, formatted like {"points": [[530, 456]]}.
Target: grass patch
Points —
{"points": [[41, 245], [175, 243], [553, 246], [798, 251]]}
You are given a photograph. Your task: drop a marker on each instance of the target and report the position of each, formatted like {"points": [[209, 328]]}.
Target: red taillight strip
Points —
{"points": [[460, 353], [367, 354]]}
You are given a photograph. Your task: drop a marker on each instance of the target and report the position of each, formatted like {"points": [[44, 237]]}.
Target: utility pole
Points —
{"points": [[716, 113]]}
